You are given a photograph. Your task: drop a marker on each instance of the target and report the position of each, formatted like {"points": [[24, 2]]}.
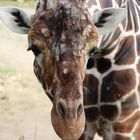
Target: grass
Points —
{"points": [[4, 70], [21, 138], [26, 3]]}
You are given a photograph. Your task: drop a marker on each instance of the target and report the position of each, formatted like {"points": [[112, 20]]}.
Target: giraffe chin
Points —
{"points": [[68, 128]]}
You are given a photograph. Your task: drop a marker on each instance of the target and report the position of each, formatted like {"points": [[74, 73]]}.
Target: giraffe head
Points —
{"points": [[61, 34]]}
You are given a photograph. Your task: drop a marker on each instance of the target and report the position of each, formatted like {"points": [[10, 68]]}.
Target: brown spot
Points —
{"points": [[91, 90], [90, 63], [103, 65], [128, 125], [137, 132], [92, 114], [138, 44], [126, 53], [117, 84], [109, 112], [118, 137], [129, 106]]}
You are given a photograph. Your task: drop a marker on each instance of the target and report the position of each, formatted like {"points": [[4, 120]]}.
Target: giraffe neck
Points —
{"points": [[112, 105]]}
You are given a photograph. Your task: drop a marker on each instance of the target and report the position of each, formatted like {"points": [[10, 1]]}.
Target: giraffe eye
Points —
{"points": [[34, 49]]}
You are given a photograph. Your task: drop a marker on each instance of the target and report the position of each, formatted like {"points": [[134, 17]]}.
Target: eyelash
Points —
{"points": [[34, 49]]}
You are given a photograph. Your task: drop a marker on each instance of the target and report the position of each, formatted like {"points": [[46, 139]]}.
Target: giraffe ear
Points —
{"points": [[16, 19], [107, 20]]}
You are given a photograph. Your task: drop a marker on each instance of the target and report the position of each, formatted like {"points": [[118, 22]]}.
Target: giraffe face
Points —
{"points": [[61, 34], [60, 40]]}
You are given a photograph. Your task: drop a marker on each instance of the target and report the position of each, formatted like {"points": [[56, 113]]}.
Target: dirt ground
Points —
{"points": [[24, 108]]}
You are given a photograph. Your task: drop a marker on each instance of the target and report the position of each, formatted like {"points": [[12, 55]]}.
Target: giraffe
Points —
{"points": [[112, 105], [72, 64]]}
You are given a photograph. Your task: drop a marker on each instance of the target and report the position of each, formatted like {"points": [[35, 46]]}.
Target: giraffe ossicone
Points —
{"points": [[61, 35]]}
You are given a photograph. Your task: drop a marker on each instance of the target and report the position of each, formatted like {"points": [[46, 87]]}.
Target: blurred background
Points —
{"points": [[24, 107]]}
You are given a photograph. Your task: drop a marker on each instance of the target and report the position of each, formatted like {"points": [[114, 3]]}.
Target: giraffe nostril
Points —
{"points": [[79, 110], [61, 109]]}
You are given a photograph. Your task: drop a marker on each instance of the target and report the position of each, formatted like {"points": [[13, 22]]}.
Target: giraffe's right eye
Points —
{"points": [[34, 49]]}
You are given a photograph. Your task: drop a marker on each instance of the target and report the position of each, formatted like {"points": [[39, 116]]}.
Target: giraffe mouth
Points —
{"points": [[66, 123]]}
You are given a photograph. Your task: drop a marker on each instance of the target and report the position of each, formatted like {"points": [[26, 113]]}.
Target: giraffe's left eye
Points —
{"points": [[35, 49]]}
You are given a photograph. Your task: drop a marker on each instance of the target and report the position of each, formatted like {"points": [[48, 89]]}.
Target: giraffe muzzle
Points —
{"points": [[69, 109], [68, 118]]}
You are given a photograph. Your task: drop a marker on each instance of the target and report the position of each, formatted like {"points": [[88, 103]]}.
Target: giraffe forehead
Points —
{"points": [[65, 9], [52, 4], [63, 19], [66, 28]]}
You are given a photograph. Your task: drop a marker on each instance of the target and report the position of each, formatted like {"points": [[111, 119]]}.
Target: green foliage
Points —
{"points": [[4, 70]]}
